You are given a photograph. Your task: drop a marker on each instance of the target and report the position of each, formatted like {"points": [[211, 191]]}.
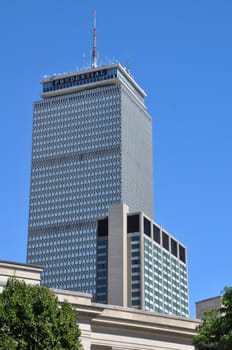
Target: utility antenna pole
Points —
{"points": [[94, 53]]}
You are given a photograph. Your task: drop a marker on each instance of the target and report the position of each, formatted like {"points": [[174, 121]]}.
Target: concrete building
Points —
{"points": [[139, 264], [209, 304], [28, 273], [92, 146], [106, 327]]}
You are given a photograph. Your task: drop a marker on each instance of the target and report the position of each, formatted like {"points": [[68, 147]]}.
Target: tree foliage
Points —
{"points": [[215, 331], [31, 319]]}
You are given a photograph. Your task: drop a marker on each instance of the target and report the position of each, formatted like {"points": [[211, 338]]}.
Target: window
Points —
{"points": [[156, 234], [182, 254], [135, 262], [147, 226], [101, 258], [135, 278], [135, 246], [135, 269], [101, 266], [101, 282], [135, 238], [173, 247], [165, 240], [102, 227], [134, 254], [135, 294], [101, 298], [101, 273], [133, 223]]}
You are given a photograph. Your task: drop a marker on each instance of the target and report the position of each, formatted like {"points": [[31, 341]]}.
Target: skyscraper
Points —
{"points": [[92, 146]]}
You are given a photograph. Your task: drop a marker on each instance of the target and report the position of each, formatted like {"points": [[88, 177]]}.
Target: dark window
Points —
{"points": [[135, 246], [135, 269], [135, 278], [156, 234], [165, 240], [182, 253], [101, 266], [101, 273], [147, 227], [101, 281], [101, 258], [173, 247], [101, 298], [135, 286], [135, 238], [135, 262], [133, 254], [102, 243], [102, 227], [132, 223], [101, 250]]}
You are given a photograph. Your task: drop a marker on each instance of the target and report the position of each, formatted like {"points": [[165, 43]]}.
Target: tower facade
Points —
{"points": [[139, 264], [92, 146]]}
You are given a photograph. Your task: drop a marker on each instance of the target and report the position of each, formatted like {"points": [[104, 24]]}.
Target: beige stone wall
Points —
{"points": [[207, 305], [105, 327], [117, 255], [30, 274]]}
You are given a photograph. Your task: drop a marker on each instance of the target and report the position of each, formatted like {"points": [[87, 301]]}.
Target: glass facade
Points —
{"points": [[165, 275], [135, 266], [101, 283], [77, 171]]}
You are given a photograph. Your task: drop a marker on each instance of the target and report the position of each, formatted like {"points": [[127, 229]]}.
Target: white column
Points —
{"points": [[117, 255]]}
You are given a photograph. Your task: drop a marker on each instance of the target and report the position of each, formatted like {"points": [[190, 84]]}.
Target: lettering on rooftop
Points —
{"points": [[78, 77]]}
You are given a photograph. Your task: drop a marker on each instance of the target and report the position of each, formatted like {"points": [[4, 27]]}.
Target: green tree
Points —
{"points": [[31, 319], [215, 331]]}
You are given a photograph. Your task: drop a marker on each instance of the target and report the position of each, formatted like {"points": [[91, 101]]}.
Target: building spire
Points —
{"points": [[94, 53]]}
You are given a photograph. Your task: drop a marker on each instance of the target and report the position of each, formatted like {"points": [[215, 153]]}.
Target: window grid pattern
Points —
{"points": [[64, 253], [165, 280], [135, 266], [75, 176], [76, 123], [101, 284], [74, 190]]}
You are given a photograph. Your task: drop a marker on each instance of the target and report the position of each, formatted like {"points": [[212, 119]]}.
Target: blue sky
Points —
{"points": [[180, 52]]}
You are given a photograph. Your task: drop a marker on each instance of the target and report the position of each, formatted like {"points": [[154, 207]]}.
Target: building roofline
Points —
{"points": [[86, 71], [208, 299], [20, 264]]}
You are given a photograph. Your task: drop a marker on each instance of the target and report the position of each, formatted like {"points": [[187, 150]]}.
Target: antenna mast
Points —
{"points": [[94, 53]]}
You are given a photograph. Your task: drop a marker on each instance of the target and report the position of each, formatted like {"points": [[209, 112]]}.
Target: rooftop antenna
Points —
{"points": [[94, 53], [83, 61], [128, 65]]}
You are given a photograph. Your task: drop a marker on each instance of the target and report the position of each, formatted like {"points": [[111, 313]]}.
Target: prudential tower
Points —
{"points": [[92, 146]]}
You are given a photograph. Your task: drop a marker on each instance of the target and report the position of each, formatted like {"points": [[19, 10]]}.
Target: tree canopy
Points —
{"points": [[31, 318], [215, 331]]}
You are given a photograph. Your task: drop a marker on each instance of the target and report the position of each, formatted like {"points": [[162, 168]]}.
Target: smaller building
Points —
{"points": [[209, 304], [29, 273], [107, 327], [140, 265]]}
